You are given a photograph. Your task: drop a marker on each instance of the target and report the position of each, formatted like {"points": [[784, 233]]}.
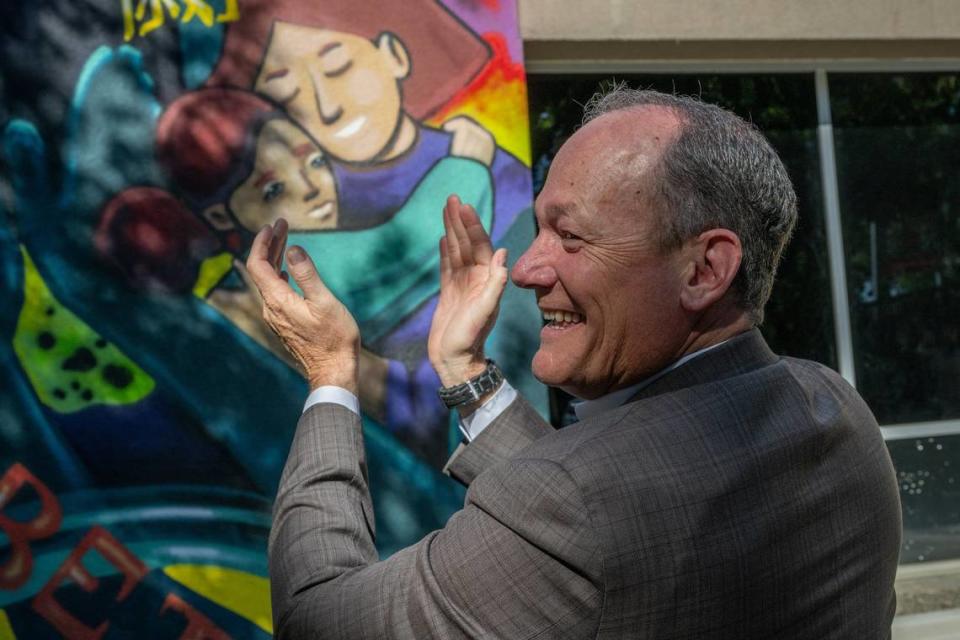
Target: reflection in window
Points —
{"points": [[928, 472], [898, 155]]}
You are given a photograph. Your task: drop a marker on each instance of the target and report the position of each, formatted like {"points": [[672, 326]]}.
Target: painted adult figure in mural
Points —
{"points": [[242, 163], [359, 77]]}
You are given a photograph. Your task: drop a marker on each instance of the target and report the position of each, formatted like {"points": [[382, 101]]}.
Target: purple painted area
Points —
{"points": [[369, 196], [478, 15]]}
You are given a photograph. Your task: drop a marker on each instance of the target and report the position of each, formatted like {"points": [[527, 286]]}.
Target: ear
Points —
{"points": [[218, 218], [393, 50], [714, 260]]}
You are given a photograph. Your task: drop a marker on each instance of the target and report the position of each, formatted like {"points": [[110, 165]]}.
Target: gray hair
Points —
{"points": [[720, 172]]}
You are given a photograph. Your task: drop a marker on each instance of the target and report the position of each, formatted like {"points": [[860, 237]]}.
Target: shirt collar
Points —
{"points": [[590, 408]]}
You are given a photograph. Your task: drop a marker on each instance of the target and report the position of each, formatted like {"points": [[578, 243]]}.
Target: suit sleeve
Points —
{"points": [[519, 561], [509, 433]]}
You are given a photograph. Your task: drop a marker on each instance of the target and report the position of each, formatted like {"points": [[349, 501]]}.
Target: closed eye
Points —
{"points": [[569, 241], [339, 71]]}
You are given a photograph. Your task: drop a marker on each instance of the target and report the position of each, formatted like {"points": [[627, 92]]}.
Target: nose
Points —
{"points": [[328, 109], [534, 269], [311, 189]]}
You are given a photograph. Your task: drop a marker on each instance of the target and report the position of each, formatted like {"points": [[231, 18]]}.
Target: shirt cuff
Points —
{"points": [[472, 425], [333, 395]]}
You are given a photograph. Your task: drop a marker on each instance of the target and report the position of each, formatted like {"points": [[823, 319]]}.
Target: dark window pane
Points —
{"points": [[898, 151], [927, 472], [799, 316]]}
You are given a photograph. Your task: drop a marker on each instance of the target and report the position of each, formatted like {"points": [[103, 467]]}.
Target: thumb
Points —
{"points": [[496, 279], [305, 274]]}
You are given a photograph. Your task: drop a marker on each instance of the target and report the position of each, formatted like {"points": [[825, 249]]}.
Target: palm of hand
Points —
{"points": [[462, 315], [472, 279]]}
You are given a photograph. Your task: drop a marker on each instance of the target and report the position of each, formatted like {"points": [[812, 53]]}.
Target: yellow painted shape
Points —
{"points": [[212, 271], [6, 631], [243, 593], [497, 99], [48, 335], [501, 110]]}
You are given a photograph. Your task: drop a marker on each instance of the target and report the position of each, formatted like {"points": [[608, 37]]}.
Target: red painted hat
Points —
{"points": [[445, 54]]}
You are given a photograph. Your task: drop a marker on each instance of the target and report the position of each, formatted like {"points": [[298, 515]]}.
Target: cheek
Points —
{"points": [[366, 88], [324, 181]]}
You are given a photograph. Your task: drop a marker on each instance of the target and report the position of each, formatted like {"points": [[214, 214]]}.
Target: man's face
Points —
{"points": [[290, 179], [342, 88], [610, 296]]}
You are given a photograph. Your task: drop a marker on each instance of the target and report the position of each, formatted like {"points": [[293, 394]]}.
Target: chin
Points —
{"points": [[551, 371]]}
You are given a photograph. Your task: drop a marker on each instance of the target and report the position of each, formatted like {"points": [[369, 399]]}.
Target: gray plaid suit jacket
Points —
{"points": [[742, 495]]}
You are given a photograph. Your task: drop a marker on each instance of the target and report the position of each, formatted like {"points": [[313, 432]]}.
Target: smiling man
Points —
{"points": [[711, 489]]}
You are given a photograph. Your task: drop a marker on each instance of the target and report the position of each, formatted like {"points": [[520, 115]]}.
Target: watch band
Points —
{"points": [[474, 388]]}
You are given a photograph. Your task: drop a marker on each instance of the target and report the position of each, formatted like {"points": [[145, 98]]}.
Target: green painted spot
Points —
{"points": [[69, 365]]}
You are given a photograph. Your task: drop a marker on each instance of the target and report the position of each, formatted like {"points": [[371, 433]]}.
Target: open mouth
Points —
{"points": [[562, 319], [322, 212]]}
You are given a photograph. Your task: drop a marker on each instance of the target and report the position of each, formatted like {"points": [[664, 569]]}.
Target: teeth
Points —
{"points": [[562, 316], [322, 211]]}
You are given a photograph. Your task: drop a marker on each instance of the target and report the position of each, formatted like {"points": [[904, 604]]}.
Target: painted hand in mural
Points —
{"points": [[316, 328], [470, 140], [472, 279]]}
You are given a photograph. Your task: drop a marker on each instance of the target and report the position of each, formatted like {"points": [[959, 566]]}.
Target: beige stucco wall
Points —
{"points": [[750, 29]]}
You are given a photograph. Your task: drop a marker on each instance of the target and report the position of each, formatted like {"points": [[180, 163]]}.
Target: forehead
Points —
{"points": [[290, 41], [608, 161]]}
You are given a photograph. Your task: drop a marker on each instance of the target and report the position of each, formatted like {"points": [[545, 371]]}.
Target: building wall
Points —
{"points": [[689, 30]]}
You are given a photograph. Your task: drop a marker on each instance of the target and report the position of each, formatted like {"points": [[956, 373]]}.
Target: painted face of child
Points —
{"points": [[291, 179]]}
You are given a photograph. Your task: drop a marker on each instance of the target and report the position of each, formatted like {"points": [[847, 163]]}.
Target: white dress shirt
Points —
{"points": [[472, 425]]}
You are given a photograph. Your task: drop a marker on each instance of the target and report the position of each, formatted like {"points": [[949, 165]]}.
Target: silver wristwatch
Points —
{"points": [[474, 388]]}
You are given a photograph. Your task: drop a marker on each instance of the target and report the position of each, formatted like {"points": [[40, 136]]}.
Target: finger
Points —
{"points": [[259, 269], [305, 274], [260, 248], [480, 245], [461, 238], [496, 281], [258, 260], [453, 247], [278, 243], [445, 269]]}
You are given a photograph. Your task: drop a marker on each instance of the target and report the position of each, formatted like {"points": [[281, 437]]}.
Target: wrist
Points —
{"points": [[454, 371], [467, 396], [341, 373]]}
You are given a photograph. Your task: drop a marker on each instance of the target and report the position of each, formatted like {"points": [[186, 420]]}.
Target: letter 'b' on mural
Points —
{"points": [[146, 409], [44, 524]]}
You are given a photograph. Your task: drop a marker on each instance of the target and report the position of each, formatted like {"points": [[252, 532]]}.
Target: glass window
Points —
{"points": [[799, 320], [897, 143], [928, 472]]}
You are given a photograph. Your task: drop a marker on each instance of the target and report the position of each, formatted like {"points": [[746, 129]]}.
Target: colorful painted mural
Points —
{"points": [[145, 409]]}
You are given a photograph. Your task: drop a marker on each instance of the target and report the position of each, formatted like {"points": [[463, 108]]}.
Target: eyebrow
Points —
{"points": [[279, 73], [303, 149], [264, 178], [559, 209]]}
